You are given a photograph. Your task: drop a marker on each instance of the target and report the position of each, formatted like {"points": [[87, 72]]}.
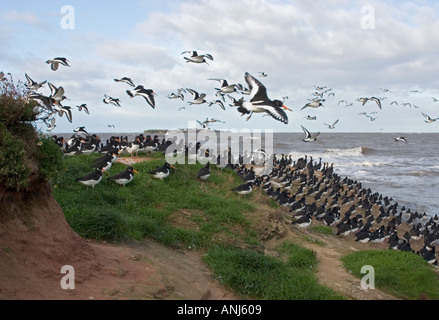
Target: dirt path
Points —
{"points": [[329, 249]]}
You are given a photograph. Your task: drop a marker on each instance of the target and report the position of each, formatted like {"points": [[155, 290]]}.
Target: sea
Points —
{"points": [[406, 172]]}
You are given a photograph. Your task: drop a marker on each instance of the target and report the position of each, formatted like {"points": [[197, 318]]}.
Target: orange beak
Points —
{"points": [[135, 171], [173, 167], [286, 108]]}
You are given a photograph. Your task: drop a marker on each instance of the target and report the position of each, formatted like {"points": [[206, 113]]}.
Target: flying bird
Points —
{"points": [[308, 136], [198, 98], [218, 102], [308, 117], [429, 119], [107, 100], [401, 139], [148, 94], [178, 95], [313, 104], [55, 62], [126, 80], [51, 125], [33, 85], [67, 111], [195, 58], [259, 101], [332, 126], [83, 107], [262, 74], [225, 87]]}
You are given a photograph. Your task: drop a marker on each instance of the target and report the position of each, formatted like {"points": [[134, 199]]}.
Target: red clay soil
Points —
{"points": [[36, 242]]}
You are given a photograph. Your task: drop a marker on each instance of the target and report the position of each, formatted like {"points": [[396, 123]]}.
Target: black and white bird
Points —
{"points": [[218, 102], [195, 58], [243, 189], [83, 107], [110, 100], [313, 104], [57, 94], [162, 172], [50, 125], [204, 172], [303, 221], [124, 177], [332, 126], [225, 87], [259, 101], [91, 179], [199, 98], [55, 62], [428, 118], [363, 101], [308, 117], [178, 95], [148, 94], [67, 111], [308, 136], [33, 85], [402, 139], [126, 80]]}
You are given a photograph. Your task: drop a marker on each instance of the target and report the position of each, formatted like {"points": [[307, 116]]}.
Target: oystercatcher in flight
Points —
{"points": [[259, 101], [55, 62], [148, 94], [195, 58]]}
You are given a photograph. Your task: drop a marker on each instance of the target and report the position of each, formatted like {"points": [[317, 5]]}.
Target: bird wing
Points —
{"points": [[149, 97], [194, 93], [258, 92], [307, 133], [378, 102], [276, 112], [335, 122]]}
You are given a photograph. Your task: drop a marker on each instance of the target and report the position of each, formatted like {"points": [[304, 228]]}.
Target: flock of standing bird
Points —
{"points": [[308, 191]]}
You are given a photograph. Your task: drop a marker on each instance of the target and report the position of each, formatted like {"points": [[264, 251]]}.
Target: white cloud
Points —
{"points": [[25, 17]]}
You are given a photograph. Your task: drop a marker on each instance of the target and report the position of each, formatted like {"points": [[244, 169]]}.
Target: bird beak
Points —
{"points": [[135, 171], [173, 167], [286, 108], [154, 93]]}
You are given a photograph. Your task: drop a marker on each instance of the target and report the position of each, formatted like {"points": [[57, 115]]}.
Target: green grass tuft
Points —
{"points": [[254, 275], [402, 274]]}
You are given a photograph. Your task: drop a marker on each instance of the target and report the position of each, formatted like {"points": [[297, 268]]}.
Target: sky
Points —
{"points": [[384, 49]]}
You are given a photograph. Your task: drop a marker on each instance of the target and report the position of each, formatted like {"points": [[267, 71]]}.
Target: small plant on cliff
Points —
{"points": [[24, 155]]}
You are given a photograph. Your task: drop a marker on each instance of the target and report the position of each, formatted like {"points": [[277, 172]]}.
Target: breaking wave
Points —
{"points": [[354, 152]]}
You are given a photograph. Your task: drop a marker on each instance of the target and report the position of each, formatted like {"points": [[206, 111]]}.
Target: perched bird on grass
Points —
{"points": [[124, 177], [92, 178], [162, 172], [204, 172]]}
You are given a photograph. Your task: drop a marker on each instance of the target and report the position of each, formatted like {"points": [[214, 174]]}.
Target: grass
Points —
{"points": [[145, 206], [402, 274], [184, 212], [254, 275]]}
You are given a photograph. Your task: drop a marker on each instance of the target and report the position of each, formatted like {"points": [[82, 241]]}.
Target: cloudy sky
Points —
{"points": [[355, 48]]}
